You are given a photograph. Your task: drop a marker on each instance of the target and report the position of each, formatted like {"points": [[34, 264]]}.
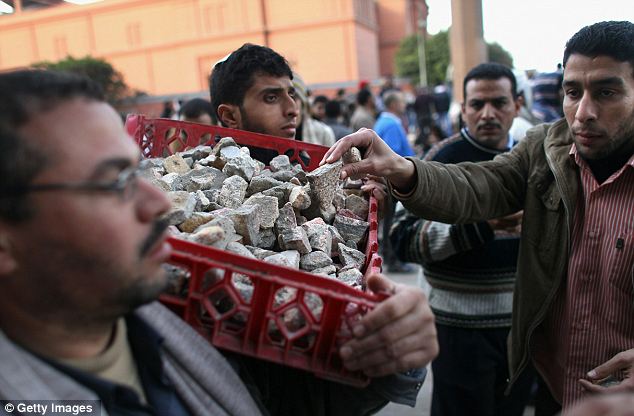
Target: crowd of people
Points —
{"points": [[524, 230]]}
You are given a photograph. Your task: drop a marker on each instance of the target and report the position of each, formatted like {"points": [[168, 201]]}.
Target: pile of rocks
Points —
{"points": [[280, 214]]}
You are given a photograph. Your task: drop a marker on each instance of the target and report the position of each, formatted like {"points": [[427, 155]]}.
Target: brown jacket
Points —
{"points": [[538, 176]]}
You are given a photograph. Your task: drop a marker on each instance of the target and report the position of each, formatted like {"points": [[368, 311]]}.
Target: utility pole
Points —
{"points": [[420, 37]]}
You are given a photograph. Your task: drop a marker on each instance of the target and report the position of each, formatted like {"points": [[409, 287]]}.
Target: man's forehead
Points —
{"points": [[595, 67], [488, 88], [263, 81]]}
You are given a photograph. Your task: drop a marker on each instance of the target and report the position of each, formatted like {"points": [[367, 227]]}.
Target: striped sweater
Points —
{"points": [[470, 268]]}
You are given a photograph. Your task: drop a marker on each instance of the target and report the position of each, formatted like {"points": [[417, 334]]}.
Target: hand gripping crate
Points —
{"points": [[318, 313]]}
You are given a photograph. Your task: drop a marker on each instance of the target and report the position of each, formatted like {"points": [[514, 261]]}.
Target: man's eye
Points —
{"points": [[606, 93], [476, 106], [572, 93], [270, 98]]}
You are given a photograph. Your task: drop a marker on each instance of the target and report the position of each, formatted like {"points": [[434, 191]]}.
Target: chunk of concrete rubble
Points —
{"points": [[319, 235], [202, 202], [339, 199], [212, 161], [350, 228], [240, 249], [294, 239], [171, 179], [350, 276], [232, 192], [229, 232], [281, 192], [246, 221], [182, 207], [315, 260], [299, 198], [242, 165], [284, 175], [286, 219], [208, 236], [279, 163], [358, 205], [196, 153], [200, 179], [194, 221], [336, 236], [353, 155], [260, 253], [261, 183], [154, 164], [222, 143], [268, 238], [175, 164], [350, 257], [323, 183], [325, 271], [229, 152], [268, 208], [288, 258]]}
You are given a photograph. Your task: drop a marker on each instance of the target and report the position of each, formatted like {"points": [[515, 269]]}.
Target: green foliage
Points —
{"points": [[96, 69], [437, 57]]}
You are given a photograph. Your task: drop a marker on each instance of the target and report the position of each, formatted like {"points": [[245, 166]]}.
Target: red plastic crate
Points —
{"points": [[215, 307]]}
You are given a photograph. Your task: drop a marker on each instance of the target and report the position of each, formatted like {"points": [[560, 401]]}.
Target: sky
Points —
{"points": [[534, 31]]}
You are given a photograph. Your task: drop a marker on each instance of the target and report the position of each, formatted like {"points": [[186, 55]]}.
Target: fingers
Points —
{"points": [[361, 138], [399, 334], [621, 361]]}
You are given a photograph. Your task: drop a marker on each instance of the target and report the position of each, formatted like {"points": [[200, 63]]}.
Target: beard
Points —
{"points": [[622, 141]]}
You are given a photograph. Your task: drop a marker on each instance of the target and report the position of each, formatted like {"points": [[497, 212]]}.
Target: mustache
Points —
{"points": [[490, 124], [158, 228]]}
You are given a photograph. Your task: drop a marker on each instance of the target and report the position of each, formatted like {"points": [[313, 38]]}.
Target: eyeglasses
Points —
{"points": [[125, 185]]}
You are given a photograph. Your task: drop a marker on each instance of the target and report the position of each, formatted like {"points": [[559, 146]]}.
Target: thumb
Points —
{"points": [[378, 283], [605, 369]]}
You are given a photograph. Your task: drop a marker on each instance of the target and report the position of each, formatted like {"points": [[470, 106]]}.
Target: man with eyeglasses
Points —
{"points": [[81, 248]]}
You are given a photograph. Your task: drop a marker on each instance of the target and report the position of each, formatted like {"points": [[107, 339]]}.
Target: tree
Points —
{"points": [[98, 70], [437, 57]]}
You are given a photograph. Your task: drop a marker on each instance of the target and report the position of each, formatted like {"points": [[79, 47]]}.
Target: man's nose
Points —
{"points": [[151, 202], [488, 111], [586, 110]]}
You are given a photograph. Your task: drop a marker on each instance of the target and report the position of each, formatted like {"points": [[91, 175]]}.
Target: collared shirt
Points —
{"points": [[121, 400], [591, 319]]}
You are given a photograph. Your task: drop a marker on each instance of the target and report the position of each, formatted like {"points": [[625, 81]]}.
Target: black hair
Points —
{"points": [[231, 79], [320, 99], [490, 71], [613, 39], [363, 97], [23, 94], [333, 109], [196, 107]]}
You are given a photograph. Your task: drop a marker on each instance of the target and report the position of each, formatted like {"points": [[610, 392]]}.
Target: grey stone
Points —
{"points": [[351, 277], [299, 198], [196, 153], [358, 205], [336, 236], [229, 152], [267, 238], [295, 181], [325, 271], [319, 235], [261, 183], [202, 202], [222, 143], [339, 200], [350, 257], [350, 214], [260, 253], [284, 175], [295, 239], [229, 232], [328, 214], [240, 249], [279, 163], [352, 244], [315, 260], [281, 192], [286, 219], [268, 206], [232, 192], [300, 174], [323, 183], [175, 164], [241, 165], [189, 161], [154, 164], [212, 161], [182, 206], [171, 180], [350, 228], [201, 179], [194, 221], [285, 259], [246, 221], [212, 195]]}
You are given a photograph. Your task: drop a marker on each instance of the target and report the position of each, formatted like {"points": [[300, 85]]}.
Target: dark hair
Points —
{"points": [[320, 99], [24, 94], [613, 39], [491, 71], [196, 107], [231, 79], [333, 109], [363, 97]]}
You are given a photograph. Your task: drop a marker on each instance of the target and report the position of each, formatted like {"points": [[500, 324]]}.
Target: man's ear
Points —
{"points": [[7, 259], [229, 115]]}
